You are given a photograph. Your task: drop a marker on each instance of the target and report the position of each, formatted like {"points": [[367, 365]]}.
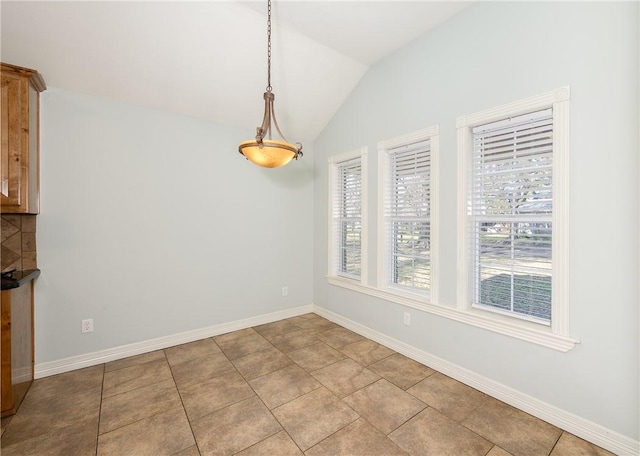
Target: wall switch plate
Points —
{"points": [[87, 325], [285, 291], [407, 318]]}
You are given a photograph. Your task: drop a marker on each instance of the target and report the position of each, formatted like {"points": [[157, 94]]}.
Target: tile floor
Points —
{"points": [[303, 385]]}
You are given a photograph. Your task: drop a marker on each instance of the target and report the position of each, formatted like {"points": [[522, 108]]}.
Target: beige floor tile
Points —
{"points": [[5, 421], [298, 368], [234, 335], [276, 328], [313, 322], [136, 376], [294, 340], [36, 417], [193, 350], [283, 385], [345, 377], [191, 451], [207, 397], [126, 408], [234, 428], [76, 440], [451, 397], [384, 405], [339, 337], [308, 317], [243, 346], [497, 451], [319, 325], [279, 444], [133, 360], [358, 438], [401, 371], [570, 445], [313, 417], [67, 383], [430, 432], [315, 356], [201, 369], [511, 429], [261, 363], [162, 434], [366, 351]]}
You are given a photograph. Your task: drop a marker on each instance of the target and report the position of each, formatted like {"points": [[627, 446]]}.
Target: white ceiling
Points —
{"points": [[208, 59]]}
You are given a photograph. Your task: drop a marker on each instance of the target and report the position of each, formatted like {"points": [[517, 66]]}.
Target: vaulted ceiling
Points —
{"points": [[208, 59]]}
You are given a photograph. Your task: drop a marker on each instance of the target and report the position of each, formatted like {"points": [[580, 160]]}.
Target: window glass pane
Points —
{"points": [[350, 258], [514, 267], [512, 205], [347, 217], [407, 216]]}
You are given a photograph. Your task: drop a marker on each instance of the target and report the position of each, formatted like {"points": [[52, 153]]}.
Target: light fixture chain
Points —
{"points": [[269, 88]]}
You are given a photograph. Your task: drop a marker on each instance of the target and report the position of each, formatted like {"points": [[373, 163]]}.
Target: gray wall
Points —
{"points": [[152, 224], [491, 54]]}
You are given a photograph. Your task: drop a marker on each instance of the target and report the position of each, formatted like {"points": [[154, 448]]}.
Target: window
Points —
{"points": [[513, 214], [510, 224], [406, 260], [347, 252], [514, 186]]}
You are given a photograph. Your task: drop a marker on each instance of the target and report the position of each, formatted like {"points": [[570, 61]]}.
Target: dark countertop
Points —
{"points": [[19, 278]]}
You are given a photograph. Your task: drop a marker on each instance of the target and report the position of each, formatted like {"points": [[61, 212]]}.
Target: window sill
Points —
{"points": [[534, 335]]}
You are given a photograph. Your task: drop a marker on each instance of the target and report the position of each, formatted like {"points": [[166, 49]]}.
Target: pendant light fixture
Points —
{"points": [[263, 150]]}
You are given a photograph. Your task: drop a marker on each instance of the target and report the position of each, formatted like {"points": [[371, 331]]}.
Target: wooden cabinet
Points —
{"points": [[19, 165], [17, 346]]}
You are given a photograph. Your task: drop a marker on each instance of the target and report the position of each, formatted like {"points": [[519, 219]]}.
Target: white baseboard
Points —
{"points": [[583, 428], [123, 351]]}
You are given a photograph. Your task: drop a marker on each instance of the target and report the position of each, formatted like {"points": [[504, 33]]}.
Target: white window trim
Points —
{"points": [[430, 133], [364, 259], [556, 336], [533, 335]]}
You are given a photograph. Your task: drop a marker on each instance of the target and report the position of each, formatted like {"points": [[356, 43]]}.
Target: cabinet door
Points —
{"points": [[17, 346], [13, 135], [6, 388]]}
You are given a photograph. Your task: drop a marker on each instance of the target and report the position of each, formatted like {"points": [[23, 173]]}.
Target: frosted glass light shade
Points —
{"points": [[271, 154]]}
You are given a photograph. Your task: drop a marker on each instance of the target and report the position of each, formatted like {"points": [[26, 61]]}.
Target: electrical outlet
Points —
{"points": [[407, 318], [87, 325], [285, 291]]}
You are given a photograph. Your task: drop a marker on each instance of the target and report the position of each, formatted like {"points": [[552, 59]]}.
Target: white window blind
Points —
{"points": [[407, 216], [347, 218], [511, 206]]}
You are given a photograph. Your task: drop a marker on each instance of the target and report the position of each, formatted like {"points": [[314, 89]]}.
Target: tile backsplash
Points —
{"points": [[18, 242]]}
